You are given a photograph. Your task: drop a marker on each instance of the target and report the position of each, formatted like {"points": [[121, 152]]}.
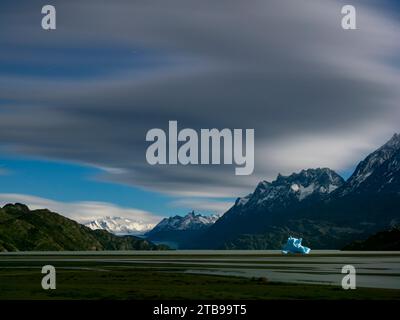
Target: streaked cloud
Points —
{"points": [[315, 94]]}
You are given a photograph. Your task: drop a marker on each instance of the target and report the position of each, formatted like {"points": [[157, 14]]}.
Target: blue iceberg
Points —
{"points": [[293, 245]]}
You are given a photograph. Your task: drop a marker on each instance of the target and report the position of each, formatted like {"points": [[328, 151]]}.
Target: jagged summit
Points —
{"points": [[378, 169], [309, 175], [295, 187], [394, 142], [191, 221]]}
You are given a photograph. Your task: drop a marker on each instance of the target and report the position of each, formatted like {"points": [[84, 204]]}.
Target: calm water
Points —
{"points": [[374, 269]]}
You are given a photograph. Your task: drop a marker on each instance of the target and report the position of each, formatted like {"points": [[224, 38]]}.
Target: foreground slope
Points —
{"points": [[22, 229]]}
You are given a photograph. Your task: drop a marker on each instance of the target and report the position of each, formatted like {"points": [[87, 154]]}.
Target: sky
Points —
{"points": [[76, 102]]}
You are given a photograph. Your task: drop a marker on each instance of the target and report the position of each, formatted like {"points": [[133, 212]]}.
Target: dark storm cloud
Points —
{"points": [[315, 94]]}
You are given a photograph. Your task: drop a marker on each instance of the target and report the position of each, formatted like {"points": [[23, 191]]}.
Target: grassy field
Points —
{"points": [[163, 276], [144, 284]]}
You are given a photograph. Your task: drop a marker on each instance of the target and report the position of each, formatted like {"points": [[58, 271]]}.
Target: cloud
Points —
{"points": [[82, 211], [314, 93]]}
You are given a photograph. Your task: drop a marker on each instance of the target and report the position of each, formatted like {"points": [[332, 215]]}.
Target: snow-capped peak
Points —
{"points": [[191, 221], [120, 225], [372, 163], [295, 187]]}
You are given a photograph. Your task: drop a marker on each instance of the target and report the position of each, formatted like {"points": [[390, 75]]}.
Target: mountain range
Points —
{"points": [[119, 226], [22, 229], [315, 204], [178, 231]]}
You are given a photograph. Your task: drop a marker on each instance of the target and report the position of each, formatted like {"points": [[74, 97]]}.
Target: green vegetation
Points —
{"points": [[131, 283], [22, 229]]}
